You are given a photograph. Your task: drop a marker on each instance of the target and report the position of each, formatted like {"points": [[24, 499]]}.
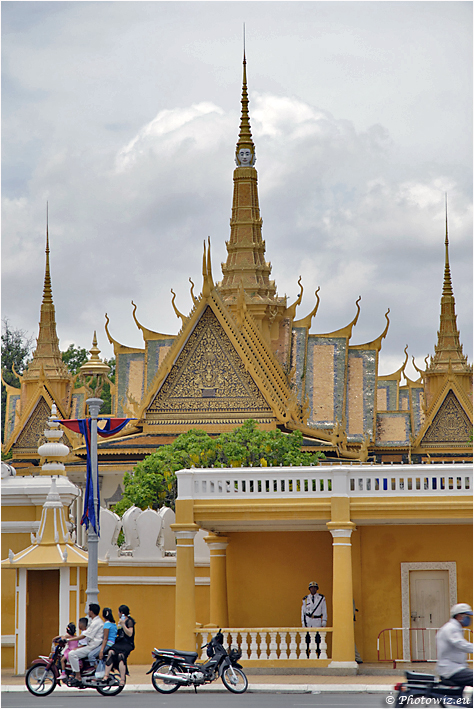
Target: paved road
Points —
{"points": [[201, 700]]}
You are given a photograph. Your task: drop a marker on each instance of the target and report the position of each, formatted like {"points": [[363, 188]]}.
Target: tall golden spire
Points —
{"points": [[47, 354], [245, 149], [448, 350], [246, 263]]}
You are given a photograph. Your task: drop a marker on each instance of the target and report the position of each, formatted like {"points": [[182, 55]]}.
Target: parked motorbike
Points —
{"points": [[43, 675], [172, 669], [441, 692]]}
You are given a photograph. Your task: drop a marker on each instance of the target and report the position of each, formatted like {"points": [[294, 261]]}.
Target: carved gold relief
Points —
{"points": [[208, 377], [34, 428], [450, 425]]}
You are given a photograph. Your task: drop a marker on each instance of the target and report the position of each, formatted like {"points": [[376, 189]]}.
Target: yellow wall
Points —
{"points": [[383, 548], [153, 608], [268, 575]]}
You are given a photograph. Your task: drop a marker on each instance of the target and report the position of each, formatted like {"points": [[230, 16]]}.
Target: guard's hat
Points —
{"points": [[313, 583]]}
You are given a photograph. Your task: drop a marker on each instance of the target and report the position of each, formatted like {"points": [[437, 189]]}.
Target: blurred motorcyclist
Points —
{"points": [[453, 647]]}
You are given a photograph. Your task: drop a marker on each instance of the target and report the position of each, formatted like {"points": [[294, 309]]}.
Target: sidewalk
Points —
{"points": [[371, 678]]}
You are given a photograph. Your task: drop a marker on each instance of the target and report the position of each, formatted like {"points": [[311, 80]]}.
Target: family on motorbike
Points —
{"points": [[99, 639]]}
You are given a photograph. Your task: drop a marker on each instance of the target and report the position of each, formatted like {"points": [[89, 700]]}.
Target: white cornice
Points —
{"points": [[33, 490]]}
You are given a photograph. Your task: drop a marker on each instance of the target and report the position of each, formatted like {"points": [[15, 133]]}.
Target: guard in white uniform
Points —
{"points": [[313, 611]]}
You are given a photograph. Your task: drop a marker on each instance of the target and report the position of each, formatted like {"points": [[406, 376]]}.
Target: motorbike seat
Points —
{"points": [[190, 657], [420, 677]]}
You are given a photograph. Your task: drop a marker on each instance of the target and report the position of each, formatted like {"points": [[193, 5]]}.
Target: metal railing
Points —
{"points": [[392, 644]]}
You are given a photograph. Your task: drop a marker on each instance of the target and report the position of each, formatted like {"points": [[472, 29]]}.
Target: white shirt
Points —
{"points": [[94, 632], [314, 605], [452, 648]]}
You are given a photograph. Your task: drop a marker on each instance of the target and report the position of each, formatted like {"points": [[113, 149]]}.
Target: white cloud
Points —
{"points": [[136, 152]]}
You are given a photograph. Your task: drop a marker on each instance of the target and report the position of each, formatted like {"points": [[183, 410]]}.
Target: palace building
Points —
{"points": [[242, 353], [362, 528]]}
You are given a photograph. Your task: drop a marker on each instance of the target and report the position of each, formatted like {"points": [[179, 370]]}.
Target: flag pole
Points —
{"points": [[92, 591]]}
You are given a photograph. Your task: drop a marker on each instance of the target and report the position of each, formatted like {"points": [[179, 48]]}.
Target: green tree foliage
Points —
{"points": [[16, 349], [153, 481], [74, 357]]}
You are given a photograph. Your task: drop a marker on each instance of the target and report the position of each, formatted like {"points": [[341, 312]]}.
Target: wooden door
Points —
{"points": [[429, 610], [42, 612]]}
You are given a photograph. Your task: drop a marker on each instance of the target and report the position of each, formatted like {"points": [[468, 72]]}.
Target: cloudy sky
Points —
{"points": [[124, 116]]}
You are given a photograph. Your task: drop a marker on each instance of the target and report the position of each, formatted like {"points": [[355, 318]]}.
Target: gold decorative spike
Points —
{"points": [[206, 290], [195, 300], [209, 264], [291, 311], [178, 314], [306, 322]]}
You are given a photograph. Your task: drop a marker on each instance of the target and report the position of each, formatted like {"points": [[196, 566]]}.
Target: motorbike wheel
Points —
{"points": [[234, 680], [40, 681], [111, 690], [159, 684]]}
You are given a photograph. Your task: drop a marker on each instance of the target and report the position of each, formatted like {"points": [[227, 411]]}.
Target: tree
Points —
{"points": [[153, 481], [16, 349], [74, 357]]}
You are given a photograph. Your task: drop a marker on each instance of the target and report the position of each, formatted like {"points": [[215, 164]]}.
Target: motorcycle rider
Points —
{"points": [[452, 647], [93, 634]]}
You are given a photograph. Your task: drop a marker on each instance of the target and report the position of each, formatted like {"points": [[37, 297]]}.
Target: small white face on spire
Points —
{"points": [[245, 158]]}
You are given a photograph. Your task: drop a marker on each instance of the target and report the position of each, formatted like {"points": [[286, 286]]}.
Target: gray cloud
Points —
{"points": [[125, 117]]}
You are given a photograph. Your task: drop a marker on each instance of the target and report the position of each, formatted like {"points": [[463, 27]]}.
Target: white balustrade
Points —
{"points": [[253, 646], [271, 645], [293, 646], [263, 646], [325, 480]]}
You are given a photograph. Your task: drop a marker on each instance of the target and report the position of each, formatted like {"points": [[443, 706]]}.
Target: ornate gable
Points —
{"points": [[450, 424], [208, 380], [33, 430]]}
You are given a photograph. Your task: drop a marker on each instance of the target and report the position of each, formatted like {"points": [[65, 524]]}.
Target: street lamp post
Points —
{"points": [[94, 367], [92, 591]]}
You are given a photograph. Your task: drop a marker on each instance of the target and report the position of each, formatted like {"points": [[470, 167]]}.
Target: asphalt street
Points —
{"points": [[201, 700]]}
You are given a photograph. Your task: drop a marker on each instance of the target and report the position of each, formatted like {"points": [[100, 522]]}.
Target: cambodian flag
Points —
{"points": [[83, 426]]}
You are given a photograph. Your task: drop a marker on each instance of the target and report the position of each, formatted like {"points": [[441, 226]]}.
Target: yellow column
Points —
{"points": [[342, 608], [219, 614], [185, 610]]}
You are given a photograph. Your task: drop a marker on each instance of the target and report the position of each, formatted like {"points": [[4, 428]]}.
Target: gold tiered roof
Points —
{"points": [[246, 263], [448, 350], [47, 355]]}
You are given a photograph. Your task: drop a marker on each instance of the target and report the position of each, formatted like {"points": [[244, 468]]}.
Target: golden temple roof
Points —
{"points": [[448, 350], [47, 355]]}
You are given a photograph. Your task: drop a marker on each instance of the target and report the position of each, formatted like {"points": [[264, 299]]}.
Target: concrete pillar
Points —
{"points": [[342, 595], [219, 614], [185, 619]]}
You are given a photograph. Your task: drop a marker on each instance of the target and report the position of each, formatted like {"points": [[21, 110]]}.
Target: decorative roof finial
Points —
{"points": [[47, 291], [447, 285], [245, 150]]}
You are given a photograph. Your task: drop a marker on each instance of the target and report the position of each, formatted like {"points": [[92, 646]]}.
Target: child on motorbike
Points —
{"points": [[72, 644]]}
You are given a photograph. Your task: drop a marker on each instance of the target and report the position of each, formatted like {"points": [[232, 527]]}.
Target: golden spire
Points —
{"points": [[245, 149], [448, 350], [47, 292], [47, 354], [246, 263]]}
